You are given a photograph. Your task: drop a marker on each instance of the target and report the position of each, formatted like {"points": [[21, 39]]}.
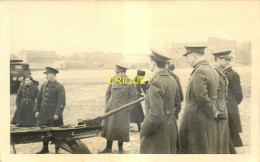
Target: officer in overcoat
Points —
{"points": [[171, 68], [198, 128], [50, 104], [159, 130], [223, 128], [25, 101], [137, 113], [120, 92], [234, 98]]}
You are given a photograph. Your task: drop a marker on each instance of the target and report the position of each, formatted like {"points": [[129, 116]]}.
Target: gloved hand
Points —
{"points": [[56, 117], [37, 114]]}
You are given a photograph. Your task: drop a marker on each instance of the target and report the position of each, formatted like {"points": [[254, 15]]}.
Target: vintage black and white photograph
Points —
{"points": [[128, 77]]}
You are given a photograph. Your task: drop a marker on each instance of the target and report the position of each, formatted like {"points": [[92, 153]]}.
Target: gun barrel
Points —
{"points": [[110, 113]]}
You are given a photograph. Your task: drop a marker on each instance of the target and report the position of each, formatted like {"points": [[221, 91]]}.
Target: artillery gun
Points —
{"points": [[66, 137]]}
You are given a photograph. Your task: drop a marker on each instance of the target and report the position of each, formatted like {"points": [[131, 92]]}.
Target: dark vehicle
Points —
{"points": [[18, 69]]}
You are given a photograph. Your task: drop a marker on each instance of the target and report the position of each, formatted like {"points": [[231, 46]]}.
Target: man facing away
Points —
{"points": [[159, 130], [198, 128], [50, 104]]}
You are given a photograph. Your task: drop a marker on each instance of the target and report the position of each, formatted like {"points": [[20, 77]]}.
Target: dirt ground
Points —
{"points": [[85, 93]]}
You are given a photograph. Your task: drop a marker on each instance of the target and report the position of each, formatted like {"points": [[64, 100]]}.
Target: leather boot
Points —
{"points": [[44, 149], [139, 127], [120, 147], [57, 150], [108, 148]]}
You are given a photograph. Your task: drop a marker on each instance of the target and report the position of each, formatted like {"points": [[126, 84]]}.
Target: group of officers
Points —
{"points": [[210, 123]]}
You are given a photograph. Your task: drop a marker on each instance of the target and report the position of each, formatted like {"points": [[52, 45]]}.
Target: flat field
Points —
{"points": [[85, 93]]}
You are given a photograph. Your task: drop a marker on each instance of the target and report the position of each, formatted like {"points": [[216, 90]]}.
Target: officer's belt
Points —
{"points": [[27, 99], [213, 97], [49, 99]]}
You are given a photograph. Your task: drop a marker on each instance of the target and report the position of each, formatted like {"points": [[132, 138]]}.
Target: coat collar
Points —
{"points": [[163, 72], [202, 62], [219, 68], [27, 86], [229, 68], [53, 83]]}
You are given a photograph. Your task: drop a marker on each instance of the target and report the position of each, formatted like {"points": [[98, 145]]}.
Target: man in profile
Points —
{"points": [[159, 130], [234, 98], [220, 59], [198, 128]]}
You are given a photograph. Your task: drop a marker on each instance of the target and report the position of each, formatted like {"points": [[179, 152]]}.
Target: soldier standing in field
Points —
{"points": [[119, 93], [50, 104], [234, 98], [137, 113], [159, 130], [25, 101], [220, 59], [198, 128], [171, 68]]}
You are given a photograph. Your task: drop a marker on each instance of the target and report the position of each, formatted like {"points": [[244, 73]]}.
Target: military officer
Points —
{"points": [[234, 98], [137, 113], [50, 104], [220, 59], [198, 128], [119, 93], [159, 130], [171, 68], [25, 100]]}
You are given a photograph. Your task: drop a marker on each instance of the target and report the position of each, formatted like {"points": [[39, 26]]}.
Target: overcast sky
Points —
{"points": [[128, 27]]}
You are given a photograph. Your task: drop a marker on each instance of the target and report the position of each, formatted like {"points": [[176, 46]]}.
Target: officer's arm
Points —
{"points": [[155, 115], [177, 103], [19, 97], [236, 87], [61, 100], [38, 101], [180, 88], [200, 90], [108, 92], [36, 91]]}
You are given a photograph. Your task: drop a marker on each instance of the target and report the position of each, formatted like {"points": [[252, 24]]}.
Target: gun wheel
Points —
{"points": [[78, 147]]}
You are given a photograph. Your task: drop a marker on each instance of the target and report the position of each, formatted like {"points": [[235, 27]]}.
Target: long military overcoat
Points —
{"points": [[137, 113], [234, 98], [223, 128], [198, 129], [116, 127], [25, 101], [159, 131], [51, 101]]}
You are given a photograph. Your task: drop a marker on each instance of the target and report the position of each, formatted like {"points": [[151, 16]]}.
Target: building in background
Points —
{"points": [[92, 60], [38, 59]]}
